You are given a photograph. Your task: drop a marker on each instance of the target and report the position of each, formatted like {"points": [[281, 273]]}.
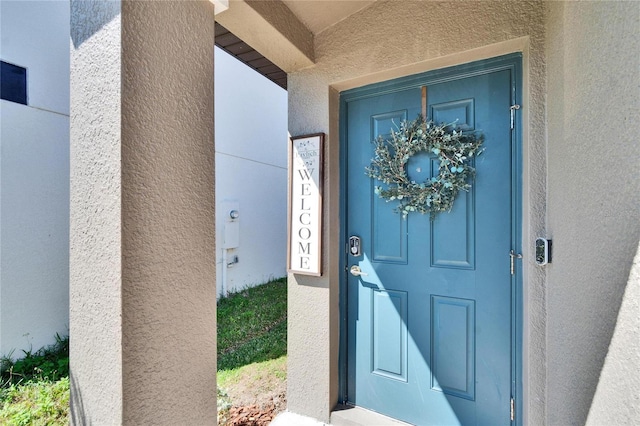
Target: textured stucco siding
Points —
{"points": [[142, 212], [34, 178], [168, 239], [617, 397], [95, 254], [384, 41], [142, 240], [593, 212], [272, 29]]}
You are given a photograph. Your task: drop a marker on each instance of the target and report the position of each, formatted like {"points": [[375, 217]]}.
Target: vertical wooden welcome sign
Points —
{"points": [[305, 205]]}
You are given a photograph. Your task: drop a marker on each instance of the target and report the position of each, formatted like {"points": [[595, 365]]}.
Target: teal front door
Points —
{"points": [[430, 321]]}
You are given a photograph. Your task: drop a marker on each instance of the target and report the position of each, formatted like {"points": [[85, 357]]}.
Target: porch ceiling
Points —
{"points": [[318, 15], [313, 16]]}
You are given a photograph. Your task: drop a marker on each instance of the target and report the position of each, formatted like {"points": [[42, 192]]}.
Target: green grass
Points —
{"points": [[275, 368], [252, 325], [35, 403], [252, 344], [34, 390], [48, 363]]}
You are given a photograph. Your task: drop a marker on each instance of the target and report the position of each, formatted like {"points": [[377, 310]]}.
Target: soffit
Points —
{"points": [[231, 44], [318, 15]]}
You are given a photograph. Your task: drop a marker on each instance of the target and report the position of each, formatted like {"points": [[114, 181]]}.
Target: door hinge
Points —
{"points": [[513, 410], [512, 256], [512, 110]]}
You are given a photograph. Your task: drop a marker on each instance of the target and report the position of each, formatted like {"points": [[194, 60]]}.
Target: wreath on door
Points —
{"points": [[455, 150]]}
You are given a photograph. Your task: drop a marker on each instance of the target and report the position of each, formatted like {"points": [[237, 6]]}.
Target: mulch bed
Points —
{"points": [[256, 415], [251, 415]]}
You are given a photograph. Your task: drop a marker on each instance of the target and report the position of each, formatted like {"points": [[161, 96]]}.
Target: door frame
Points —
{"points": [[513, 63]]}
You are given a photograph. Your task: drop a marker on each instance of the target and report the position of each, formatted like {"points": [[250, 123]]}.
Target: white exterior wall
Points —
{"points": [[34, 178], [593, 213], [251, 173]]}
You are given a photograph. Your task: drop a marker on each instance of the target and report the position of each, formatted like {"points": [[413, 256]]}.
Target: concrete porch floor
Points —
{"points": [[343, 415]]}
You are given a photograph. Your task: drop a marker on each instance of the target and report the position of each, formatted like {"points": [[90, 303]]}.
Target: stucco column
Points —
{"points": [[142, 256]]}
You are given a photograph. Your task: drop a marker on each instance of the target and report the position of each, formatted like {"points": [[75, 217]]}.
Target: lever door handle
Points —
{"points": [[512, 257], [357, 272]]}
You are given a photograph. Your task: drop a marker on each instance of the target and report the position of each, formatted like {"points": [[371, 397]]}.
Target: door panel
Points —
{"points": [[389, 242], [429, 326], [453, 366], [453, 242], [389, 348]]}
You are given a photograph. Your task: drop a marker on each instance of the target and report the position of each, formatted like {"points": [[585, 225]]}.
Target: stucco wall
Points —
{"points": [[168, 240], [377, 44], [34, 178], [593, 212], [95, 255], [251, 172], [617, 397], [142, 213]]}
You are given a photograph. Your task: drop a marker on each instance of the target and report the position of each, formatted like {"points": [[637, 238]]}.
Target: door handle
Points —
{"points": [[357, 272], [512, 257]]}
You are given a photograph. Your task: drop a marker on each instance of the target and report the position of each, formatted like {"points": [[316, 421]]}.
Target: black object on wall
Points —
{"points": [[13, 85]]}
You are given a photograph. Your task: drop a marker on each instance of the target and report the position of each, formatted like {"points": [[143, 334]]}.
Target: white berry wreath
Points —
{"points": [[453, 148]]}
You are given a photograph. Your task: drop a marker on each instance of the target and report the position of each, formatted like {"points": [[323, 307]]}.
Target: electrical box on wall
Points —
{"points": [[231, 235]]}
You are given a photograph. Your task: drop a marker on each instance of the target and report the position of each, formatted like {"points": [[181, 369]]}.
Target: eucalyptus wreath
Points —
{"points": [[454, 149]]}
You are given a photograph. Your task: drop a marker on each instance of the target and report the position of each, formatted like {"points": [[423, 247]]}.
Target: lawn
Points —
{"points": [[252, 347], [34, 389], [252, 325]]}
